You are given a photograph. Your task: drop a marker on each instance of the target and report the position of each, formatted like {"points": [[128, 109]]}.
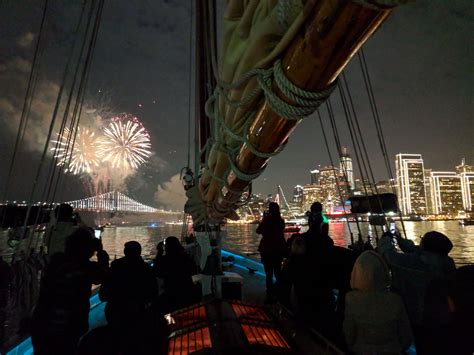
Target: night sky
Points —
{"points": [[420, 63]]}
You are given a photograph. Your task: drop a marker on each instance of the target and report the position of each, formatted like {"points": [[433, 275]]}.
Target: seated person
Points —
{"points": [[176, 268]]}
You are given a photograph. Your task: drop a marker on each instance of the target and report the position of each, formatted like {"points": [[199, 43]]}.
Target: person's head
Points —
{"points": [[274, 209], [316, 207], [173, 246], [370, 273], [132, 249], [437, 243], [298, 246], [63, 212], [81, 244], [316, 219]]}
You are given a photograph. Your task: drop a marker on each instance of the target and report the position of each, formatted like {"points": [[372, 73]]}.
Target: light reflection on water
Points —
{"points": [[243, 239]]}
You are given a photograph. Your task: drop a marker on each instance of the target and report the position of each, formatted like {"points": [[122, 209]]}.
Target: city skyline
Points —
{"points": [[417, 61], [420, 191]]}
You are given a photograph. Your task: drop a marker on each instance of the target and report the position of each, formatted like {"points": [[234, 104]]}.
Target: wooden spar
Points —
{"points": [[313, 61]]}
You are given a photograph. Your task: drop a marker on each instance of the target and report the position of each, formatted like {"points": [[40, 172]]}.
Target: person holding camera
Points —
{"points": [[61, 316], [422, 275]]}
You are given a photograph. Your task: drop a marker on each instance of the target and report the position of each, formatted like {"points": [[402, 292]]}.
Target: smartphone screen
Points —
{"points": [[393, 228], [97, 233]]}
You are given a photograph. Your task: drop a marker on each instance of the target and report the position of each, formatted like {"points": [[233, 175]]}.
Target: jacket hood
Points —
{"points": [[370, 273]]}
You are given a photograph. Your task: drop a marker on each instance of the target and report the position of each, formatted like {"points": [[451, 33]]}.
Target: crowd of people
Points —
{"points": [[379, 301], [134, 308]]}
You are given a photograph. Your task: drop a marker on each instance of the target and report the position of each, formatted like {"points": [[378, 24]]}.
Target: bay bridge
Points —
{"points": [[113, 201]]}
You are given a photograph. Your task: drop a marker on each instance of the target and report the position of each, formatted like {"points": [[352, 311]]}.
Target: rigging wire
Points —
{"points": [[82, 89], [370, 170], [378, 125], [353, 140], [48, 138], [190, 86], [28, 98], [335, 177], [54, 162]]}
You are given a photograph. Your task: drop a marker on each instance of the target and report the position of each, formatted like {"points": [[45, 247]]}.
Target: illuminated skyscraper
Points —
{"points": [[411, 183], [446, 192], [345, 166], [329, 180], [466, 173], [429, 194], [385, 186], [311, 193], [467, 187], [298, 195], [314, 176], [463, 168]]}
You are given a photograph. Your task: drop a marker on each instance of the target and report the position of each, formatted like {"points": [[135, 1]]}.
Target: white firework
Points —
{"points": [[126, 143], [83, 157]]}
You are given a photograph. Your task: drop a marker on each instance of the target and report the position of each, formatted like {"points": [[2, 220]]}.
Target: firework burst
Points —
{"points": [[126, 143], [84, 156]]}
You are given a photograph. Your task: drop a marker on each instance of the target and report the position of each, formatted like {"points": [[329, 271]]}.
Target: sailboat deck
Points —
{"points": [[253, 292]]}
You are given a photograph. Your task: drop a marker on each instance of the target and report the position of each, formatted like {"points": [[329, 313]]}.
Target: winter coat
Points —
{"points": [[273, 240], [129, 287], [415, 272], [63, 305], [176, 270], [375, 319]]}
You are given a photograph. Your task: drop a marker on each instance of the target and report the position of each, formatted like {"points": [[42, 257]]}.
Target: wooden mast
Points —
{"points": [[313, 61], [204, 78]]}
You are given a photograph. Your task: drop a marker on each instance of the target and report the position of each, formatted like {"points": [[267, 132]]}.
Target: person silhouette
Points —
{"points": [[176, 268], [129, 288], [272, 246], [61, 316]]}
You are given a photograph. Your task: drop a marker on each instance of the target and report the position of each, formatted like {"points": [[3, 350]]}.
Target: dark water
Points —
{"points": [[243, 239]]}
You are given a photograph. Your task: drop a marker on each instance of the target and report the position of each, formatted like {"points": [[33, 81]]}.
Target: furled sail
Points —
{"points": [[279, 61]]}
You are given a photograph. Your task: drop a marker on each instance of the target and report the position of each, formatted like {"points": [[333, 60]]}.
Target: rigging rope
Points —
{"points": [[54, 161], [305, 103], [335, 177], [51, 127], [378, 125], [356, 144], [190, 86], [77, 112], [28, 99], [364, 146]]}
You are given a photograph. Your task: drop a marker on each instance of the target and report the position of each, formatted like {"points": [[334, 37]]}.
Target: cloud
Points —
{"points": [[26, 40], [170, 195]]}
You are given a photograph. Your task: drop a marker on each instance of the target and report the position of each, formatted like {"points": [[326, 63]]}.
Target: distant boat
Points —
{"points": [[413, 218], [467, 222], [292, 228]]}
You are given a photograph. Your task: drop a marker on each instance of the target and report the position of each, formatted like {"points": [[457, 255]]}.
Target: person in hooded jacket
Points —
{"points": [[316, 273], [176, 268], [272, 246], [422, 275], [375, 319], [61, 316], [129, 288]]}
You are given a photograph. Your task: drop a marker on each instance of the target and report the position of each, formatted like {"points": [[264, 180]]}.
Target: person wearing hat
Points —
{"points": [[422, 275]]}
